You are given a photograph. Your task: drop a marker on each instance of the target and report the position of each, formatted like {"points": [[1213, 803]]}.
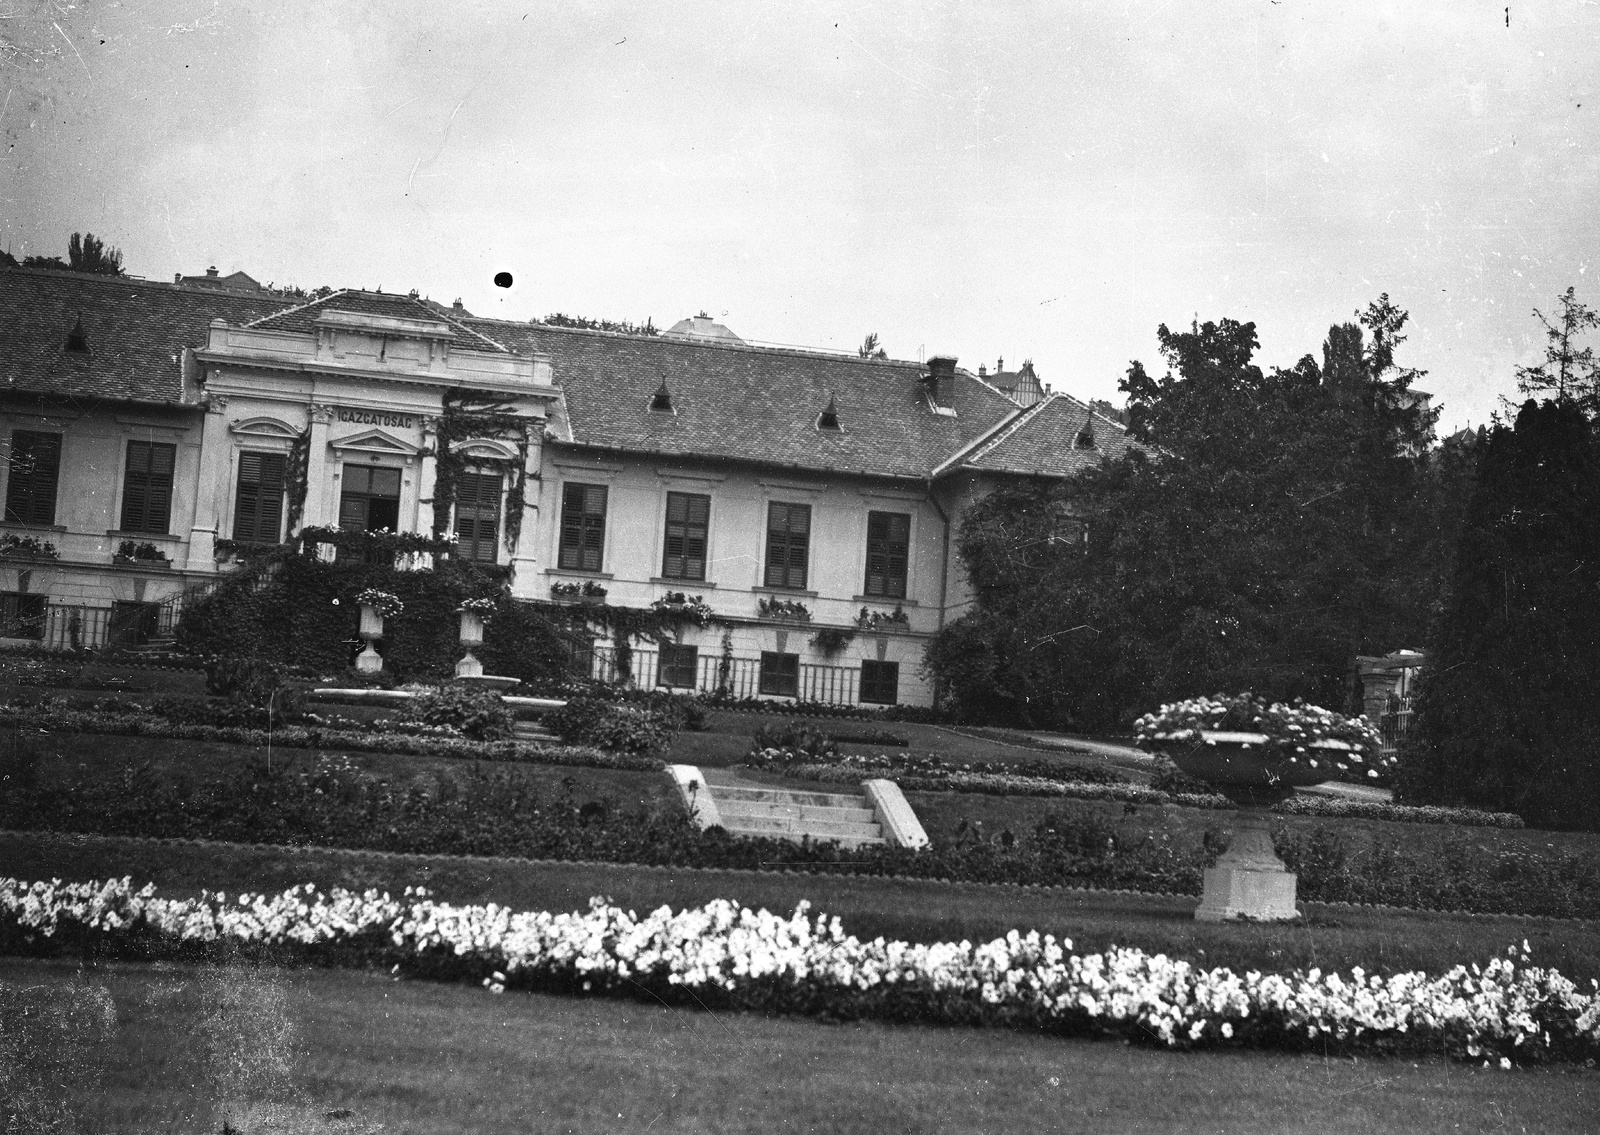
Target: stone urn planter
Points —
{"points": [[369, 661], [471, 636], [1249, 880]]}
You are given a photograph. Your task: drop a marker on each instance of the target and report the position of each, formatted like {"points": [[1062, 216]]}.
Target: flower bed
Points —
{"points": [[1377, 810], [992, 778], [722, 955], [132, 724]]}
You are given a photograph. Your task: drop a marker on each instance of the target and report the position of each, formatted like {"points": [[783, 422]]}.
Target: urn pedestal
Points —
{"points": [[1249, 880], [369, 661], [471, 636]]}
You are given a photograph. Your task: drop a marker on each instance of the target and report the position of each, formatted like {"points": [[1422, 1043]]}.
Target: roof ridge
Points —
{"points": [[400, 297], [746, 345], [140, 281], [994, 441]]}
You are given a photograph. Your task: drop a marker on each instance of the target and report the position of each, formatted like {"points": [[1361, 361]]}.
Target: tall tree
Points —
{"points": [[869, 348], [1262, 544], [85, 253], [1570, 370], [1507, 718]]}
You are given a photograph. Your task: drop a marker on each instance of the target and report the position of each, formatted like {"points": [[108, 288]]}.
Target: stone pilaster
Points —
{"points": [[427, 474], [317, 472], [216, 461]]}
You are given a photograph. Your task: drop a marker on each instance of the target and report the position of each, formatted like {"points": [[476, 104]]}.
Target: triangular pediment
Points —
{"points": [[375, 441]]}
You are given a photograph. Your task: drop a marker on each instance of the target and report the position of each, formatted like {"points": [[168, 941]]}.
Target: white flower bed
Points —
{"points": [[1510, 1010]]}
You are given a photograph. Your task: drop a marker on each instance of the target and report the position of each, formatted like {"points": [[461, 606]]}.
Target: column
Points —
{"points": [[427, 474], [317, 472], [524, 557], [216, 462]]}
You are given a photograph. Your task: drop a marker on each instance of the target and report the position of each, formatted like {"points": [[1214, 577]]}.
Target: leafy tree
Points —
{"points": [[85, 253], [7, 260], [869, 348], [1507, 717], [1271, 534], [1568, 369]]}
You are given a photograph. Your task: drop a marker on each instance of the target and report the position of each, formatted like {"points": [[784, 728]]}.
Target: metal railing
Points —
{"points": [[740, 676], [1393, 726], [75, 628]]}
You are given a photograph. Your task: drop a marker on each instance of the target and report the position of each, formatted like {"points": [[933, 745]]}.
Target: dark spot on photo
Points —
{"points": [[502, 279]]}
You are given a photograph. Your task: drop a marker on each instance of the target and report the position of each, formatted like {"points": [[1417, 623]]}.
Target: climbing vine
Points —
{"points": [[299, 466], [463, 418]]}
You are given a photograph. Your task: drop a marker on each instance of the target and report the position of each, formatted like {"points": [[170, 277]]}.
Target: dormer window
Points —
{"points": [[78, 338], [1085, 436], [829, 418], [662, 402]]}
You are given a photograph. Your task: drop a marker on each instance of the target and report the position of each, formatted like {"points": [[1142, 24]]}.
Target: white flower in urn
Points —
{"points": [[483, 608]]}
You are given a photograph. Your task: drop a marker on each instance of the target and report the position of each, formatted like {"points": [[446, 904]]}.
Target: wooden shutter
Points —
{"points": [[780, 674], [258, 503], [678, 666], [32, 476], [788, 541], [478, 515], [688, 516], [147, 487], [888, 553], [583, 527], [880, 682]]}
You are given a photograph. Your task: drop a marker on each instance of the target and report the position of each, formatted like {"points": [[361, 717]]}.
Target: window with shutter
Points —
{"points": [[22, 615], [788, 543], [688, 515], [678, 666], [369, 498], [880, 683], [33, 469], [780, 674], [258, 501], [583, 527], [888, 552], [478, 516], [147, 487]]}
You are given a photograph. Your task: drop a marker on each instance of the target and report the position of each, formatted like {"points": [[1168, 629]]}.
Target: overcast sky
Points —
{"points": [[1047, 181]]}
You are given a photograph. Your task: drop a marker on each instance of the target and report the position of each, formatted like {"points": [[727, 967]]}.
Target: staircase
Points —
{"points": [[533, 732], [877, 814], [780, 813]]}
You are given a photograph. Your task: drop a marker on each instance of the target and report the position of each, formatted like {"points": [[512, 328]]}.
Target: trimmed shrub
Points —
{"points": [[611, 725], [481, 715]]}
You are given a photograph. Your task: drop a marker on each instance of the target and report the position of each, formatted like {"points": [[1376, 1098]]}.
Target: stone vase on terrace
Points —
{"points": [[1255, 772], [369, 661]]}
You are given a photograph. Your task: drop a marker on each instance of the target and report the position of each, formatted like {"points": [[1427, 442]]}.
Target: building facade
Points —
{"points": [[809, 501]]}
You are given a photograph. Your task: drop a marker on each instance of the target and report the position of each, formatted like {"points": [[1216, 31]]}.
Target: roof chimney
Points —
{"points": [[940, 382], [211, 271], [458, 306]]}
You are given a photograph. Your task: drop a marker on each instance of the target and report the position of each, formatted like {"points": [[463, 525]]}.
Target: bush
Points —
{"points": [[610, 725], [796, 737], [1170, 778], [481, 715]]}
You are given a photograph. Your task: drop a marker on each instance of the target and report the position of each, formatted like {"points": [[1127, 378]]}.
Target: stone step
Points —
{"points": [[790, 826], [860, 814], [789, 796]]}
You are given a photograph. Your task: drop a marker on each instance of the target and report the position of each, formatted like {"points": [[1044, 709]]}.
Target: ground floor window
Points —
{"points": [[678, 666], [880, 683], [780, 674], [22, 616], [133, 624]]}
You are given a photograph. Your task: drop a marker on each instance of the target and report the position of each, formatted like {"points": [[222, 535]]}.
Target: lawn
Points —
{"points": [[339, 1051], [1332, 937]]}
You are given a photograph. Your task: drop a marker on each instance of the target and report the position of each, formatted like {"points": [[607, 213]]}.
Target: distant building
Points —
{"points": [[232, 282], [702, 329], [1021, 386]]}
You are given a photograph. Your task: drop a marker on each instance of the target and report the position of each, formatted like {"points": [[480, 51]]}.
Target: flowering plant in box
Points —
{"points": [[691, 607], [482, 608], [385, 603], [1296, 732]]}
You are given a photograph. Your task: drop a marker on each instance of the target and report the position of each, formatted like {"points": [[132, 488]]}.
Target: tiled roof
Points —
{"points": [[1043, 441], [753, 403], [304, 317], [135, 331]]}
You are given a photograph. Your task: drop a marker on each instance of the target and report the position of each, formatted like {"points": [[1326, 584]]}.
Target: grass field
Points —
{"points": [[1332, 937], [332, 1051]]}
